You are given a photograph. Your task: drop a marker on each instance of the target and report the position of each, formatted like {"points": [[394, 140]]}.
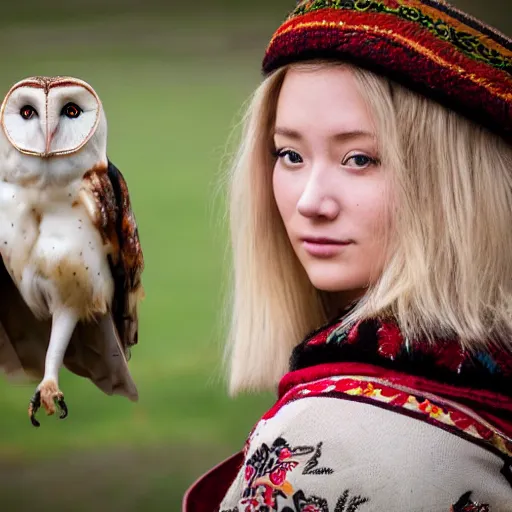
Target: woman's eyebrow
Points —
{"points": [[286, 132], [341, 136]]}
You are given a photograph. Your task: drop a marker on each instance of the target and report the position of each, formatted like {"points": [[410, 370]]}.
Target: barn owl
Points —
{"points": [[70, 282]]}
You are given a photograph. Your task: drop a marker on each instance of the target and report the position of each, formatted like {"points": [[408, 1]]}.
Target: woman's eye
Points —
{"points": [[71, 110], [360, 160], [28, 112], [290, 157]]}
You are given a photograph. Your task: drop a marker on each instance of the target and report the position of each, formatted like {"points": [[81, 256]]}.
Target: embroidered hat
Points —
{"points": [[426, 45]]}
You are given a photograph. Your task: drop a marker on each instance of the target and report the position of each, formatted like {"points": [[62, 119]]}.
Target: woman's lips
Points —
{"points": [[321, 247]]}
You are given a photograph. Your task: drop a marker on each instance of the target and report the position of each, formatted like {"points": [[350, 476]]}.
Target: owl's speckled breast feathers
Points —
{"points": [[53, 251]]}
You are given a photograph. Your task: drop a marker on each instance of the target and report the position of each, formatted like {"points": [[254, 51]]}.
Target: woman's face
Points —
{"points": [[329, 185]]}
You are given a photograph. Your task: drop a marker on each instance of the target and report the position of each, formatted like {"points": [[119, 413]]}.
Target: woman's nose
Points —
{"points": [[318, 199]]}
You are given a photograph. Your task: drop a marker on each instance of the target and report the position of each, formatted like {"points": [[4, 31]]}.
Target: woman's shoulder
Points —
{"points": [[361, 424], [333, 443], [352, 436]]}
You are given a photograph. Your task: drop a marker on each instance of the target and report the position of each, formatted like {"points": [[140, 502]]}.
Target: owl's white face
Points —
{"points": [[54, 130]]}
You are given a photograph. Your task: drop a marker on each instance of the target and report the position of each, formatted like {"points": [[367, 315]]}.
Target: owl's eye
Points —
{"points": [[28, 112], [71, 110]]}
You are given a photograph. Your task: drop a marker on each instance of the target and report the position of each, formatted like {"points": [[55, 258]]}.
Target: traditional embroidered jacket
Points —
{"points": [[366, 422]]}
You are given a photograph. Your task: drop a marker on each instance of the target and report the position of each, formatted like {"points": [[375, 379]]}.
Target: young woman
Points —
{"points": [[371, 207]]}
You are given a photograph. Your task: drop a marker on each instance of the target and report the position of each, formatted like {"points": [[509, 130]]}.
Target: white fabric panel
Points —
{"points": [[397, 463]]}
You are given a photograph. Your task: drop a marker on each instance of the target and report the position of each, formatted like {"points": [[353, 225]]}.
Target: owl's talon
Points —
{"points": [[63, 407], [35, 403], [48, 396]]}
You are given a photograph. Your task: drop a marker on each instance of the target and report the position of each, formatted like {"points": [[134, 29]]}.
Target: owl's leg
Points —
{"points": [[48, 392]]}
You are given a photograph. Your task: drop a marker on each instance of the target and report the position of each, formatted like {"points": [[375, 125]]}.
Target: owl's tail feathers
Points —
{"points": [[95, 352], [23, 338], [9, 361]]}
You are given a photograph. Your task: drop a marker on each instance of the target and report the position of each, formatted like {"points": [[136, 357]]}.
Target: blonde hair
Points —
{"points": [[449, 272]]}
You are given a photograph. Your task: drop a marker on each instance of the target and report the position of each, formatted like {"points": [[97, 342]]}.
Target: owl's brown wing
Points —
{"points": [[105, 194]]}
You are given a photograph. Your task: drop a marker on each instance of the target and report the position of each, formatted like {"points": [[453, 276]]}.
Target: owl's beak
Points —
{"points": [[51, 129], [47, 152]]}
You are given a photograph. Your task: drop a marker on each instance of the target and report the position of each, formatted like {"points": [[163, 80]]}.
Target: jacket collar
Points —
{"points": [[380, 343]]}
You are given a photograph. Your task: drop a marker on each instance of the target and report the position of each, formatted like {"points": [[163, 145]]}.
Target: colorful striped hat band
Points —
{"points": [[426, 45]]}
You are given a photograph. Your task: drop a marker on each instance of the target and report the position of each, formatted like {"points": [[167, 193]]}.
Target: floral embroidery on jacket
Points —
{"points": [[315, 504], [466, 505], [266, 480], [311, 466]]}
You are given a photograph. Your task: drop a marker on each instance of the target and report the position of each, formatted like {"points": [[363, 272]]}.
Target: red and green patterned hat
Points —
{"points": [[426, 45]]}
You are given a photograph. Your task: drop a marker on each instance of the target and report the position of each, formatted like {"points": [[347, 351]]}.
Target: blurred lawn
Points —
{"points": [[171, 102]]}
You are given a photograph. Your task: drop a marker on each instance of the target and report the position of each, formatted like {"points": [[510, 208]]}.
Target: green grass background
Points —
{"points": [[173, 78]]}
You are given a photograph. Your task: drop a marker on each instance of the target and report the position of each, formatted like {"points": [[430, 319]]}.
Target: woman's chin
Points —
{"points": [[332, 280]]}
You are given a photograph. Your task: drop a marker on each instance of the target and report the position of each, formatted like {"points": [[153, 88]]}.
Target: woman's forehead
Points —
{"points": [[325, 98]]}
